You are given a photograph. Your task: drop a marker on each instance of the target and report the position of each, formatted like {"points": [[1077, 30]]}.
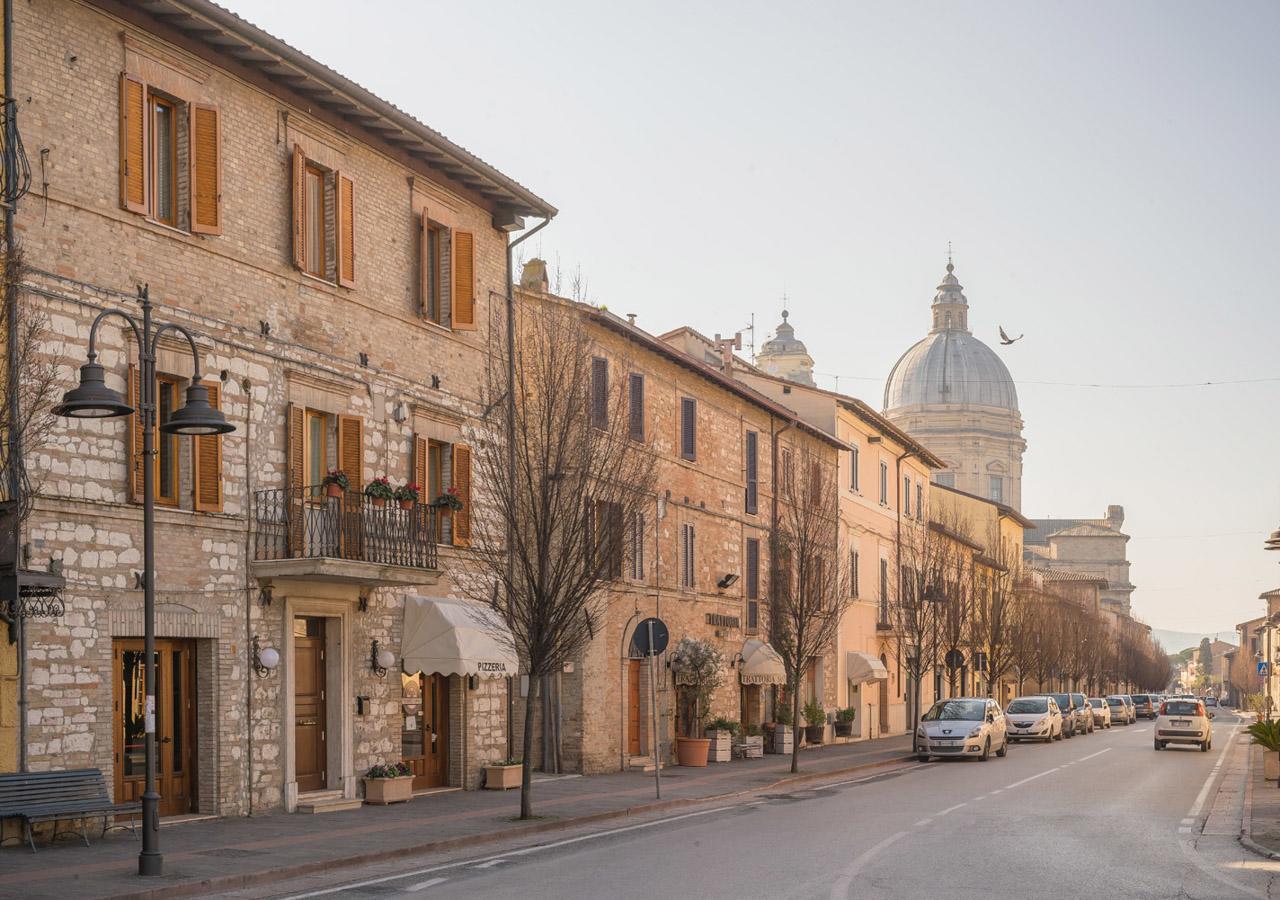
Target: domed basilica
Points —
{"points": [[955, 395]]}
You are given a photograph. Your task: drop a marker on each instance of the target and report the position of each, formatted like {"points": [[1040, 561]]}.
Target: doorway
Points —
{"points": [[309, 726], [424, 735], [175, 723], [633, 707], [884, 698]]}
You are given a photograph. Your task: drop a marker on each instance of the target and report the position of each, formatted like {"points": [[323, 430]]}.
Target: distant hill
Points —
{"points": [[1174, 641]]}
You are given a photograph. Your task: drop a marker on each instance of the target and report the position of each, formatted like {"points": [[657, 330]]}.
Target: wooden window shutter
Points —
{"points": [[133, 144], [636, 408], [464, 280], [346, 231], [753, 569], [424, 267], [420, 465], [688, 428], [136, 458], [206, 458], [599, 392], [753, 472], [351, 449], [296, 469], [462, 481], [299, 208], [206, 169]]}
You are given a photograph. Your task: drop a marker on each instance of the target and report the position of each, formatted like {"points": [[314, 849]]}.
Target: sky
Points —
{"points": [[1105, 172]]}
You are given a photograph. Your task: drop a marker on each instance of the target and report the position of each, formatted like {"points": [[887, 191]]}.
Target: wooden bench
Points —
{"points": [[37, 797]]}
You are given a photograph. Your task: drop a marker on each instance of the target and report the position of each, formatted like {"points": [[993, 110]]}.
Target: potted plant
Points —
{"points": [[783, 736], [449, 501], [336, 483], [379, 491], [816, 717], [407, 494], [721, 733], [1267, 734], [699, 666], [502, 774], [752, 745], [844, 721], [388, 783]]}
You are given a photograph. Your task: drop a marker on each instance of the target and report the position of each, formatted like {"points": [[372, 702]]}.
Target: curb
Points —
{"points": [[251, 879], [1246, 823]]}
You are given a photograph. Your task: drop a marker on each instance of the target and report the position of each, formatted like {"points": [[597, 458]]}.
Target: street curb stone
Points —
{"points": [[249, 879]]}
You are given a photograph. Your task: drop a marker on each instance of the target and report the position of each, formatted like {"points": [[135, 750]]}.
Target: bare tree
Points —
{"points": [[911, 607], [810, 584], [998, 609], [558, 489]]}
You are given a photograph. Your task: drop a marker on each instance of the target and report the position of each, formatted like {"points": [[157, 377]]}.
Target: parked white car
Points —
{"points": [[1122, 711], [1101, 712], [962, 726], [1033, 719], [1184, 722]]}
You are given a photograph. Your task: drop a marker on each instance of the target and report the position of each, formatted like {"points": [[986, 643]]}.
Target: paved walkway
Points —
{"points": [[224, 854]]}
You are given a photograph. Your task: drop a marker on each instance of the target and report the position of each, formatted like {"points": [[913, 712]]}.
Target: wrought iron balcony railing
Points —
{"points": [[307, 523]]}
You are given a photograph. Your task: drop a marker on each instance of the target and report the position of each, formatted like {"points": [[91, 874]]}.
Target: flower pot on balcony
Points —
{"points": [[378, 502], [381, 791], [500, 778], [333, 490], [692, 751], [1271, 764], [406, 504], [814, 734]]}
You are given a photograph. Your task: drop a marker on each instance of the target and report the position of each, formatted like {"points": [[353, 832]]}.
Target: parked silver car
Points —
{"points": [[1084, 714], [962, 726], [1122, 711]]}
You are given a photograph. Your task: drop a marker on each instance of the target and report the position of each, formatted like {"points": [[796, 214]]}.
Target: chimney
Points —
{"points": [[534, 276], [726, 346], [1115, 516]]}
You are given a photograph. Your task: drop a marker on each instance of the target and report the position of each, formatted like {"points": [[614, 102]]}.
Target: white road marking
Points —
{"points": [[490, 864], [922, 823], [950, 809], [431, 870], [996, 791], [1092, 755], [870, 777], [423, 885], [1032, 778], [840, 890]]}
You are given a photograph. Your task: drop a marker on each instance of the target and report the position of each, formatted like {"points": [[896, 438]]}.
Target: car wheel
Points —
{"points": [[986, 751], [1004, 749], [1204, 746], [922, 757], [1159, 746]]}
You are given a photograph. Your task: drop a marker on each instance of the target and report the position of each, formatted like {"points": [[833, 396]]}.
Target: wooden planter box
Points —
{"points": [[782, 740], [721, 749], [751, 747], [382, 791], [500, 778], [1270, 765]]}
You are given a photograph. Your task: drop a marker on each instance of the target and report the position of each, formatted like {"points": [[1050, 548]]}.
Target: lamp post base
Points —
{"points": [[150, 862]]}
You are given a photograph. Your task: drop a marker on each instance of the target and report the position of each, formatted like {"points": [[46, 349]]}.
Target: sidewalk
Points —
{"points": [[1261, 826], [228, 854]]}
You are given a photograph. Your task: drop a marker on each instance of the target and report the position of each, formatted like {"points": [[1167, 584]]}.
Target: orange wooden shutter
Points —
{"points": [[424, 264], [464, 280], [296, 468], [420, 465], [346, 231], [206, 457], [206, 169], [133, 144], [351, 449], [299, 207], [136, 458], [462, 481]]}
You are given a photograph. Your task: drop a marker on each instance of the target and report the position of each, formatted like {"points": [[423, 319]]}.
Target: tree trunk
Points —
{"points": [[795, 728], [526, 762]]}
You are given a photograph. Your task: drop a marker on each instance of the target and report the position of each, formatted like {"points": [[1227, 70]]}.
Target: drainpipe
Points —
{"points": [[897, 480], [248, 595], [773, 524], [511, 429], [15, 437]]}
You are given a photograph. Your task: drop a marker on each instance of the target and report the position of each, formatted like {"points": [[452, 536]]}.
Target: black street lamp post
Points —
{"points": [[92, 399]]}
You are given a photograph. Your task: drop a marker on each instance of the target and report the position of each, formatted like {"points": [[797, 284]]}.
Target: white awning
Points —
{"points": [[455, 637], [761, 664], [861, 667]]}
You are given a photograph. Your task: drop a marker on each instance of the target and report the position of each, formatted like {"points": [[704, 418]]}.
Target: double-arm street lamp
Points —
{"points": [[92, 399]]}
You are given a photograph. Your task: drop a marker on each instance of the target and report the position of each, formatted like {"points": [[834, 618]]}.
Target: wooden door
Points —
{"points": [[175, 724], [309, 704], [424, 736], [884, 699], [633, 706]]}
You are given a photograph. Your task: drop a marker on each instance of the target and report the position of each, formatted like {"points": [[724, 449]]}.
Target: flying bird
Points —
{"points": [[1006, 340]]}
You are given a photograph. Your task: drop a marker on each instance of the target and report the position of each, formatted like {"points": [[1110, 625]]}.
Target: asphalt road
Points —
{"points": [[1100, 815]]}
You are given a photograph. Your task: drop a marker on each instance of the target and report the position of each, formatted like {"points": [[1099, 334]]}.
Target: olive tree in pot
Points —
{"points": [[699, 667]]}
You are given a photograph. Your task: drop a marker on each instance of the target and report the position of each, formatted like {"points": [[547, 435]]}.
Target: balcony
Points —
{"points": [[304, 533]]}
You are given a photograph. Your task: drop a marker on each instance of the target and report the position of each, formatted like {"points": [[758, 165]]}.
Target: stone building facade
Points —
{"points": [[1095, 547], [714, 498], [343, 268]]}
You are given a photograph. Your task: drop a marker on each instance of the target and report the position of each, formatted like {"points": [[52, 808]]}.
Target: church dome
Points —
{"points": [[784, 340], [785, 355], [950, 366]]}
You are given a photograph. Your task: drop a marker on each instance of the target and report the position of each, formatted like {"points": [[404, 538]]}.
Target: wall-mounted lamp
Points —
{"points": [[380, 659], [473, 682], [265, 659], [727, 581], [264, 596], [737, 658]]}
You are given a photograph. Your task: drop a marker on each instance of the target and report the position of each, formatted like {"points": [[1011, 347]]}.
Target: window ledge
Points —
{"points": [[317, 278], [432, 323], [174, 229]]}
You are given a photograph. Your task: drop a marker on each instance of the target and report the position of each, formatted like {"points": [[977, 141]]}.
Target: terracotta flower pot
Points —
{"points": [[333, 490], [692, 751], [382, 791], [379, 502], [1271, 764], [406, 504]]}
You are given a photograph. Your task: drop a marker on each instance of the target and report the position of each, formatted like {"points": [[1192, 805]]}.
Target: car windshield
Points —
{"points": [[1114, 701], [1095, 703], [1140, 698], [1180, 708], [966, 710], [1063, 701], [1028, 705]]}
